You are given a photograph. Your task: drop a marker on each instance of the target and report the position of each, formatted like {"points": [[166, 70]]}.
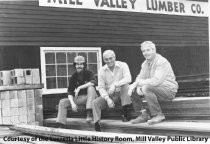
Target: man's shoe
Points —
{"points": [[156, 119], [89, 119], [97, 127], [140, 119], [60, 125], [125, 119]]}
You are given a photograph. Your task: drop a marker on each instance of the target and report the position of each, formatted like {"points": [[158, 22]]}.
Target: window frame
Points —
{"points": [[43, 50]]}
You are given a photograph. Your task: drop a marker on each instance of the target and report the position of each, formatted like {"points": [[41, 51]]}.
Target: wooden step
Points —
{"points": [[6, 134], [185, 108], [78, 136], [85, 136], [166, 128]]}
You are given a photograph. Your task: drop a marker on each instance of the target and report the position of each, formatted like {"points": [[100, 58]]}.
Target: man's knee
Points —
{"points": [[98, 103], [63, 102], [125, 87], [124, 90], [94, 103], [147, 89], [91, 89]]}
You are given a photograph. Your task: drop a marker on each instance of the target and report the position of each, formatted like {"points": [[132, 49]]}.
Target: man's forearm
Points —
{"points": [[124, 81], [70, 97], [135, 84], [86, 85], [103, 93]]}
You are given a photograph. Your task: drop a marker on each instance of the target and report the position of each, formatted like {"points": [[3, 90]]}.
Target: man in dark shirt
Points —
{"points": [[81, 91]]}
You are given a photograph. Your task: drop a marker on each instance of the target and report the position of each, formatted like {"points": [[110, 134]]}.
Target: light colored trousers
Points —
{"points": [[152, 95], [100, 103], [80, 100]]}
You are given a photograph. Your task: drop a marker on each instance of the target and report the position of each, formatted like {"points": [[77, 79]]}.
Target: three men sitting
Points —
{"points": [[155, 82]]}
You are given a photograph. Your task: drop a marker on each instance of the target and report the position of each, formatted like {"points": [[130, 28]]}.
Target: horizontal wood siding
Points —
{"points": [[185, 61], [12, 57], [25, 23]]}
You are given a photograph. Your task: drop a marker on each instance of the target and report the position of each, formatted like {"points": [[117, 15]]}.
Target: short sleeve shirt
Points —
{"points": [[78, 79]]}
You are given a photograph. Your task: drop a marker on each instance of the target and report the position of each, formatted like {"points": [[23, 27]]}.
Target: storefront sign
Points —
{"points": [[171, 7]]}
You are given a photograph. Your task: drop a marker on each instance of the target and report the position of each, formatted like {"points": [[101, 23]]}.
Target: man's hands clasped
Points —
{"points": [[74, 107], [110, 103]]}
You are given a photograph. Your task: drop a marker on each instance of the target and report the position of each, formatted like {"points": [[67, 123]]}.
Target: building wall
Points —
{"points": [[25, 23], [25, 27]]}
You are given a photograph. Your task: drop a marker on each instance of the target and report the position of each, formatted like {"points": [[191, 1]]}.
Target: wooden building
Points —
{"points": [[48, 37]]}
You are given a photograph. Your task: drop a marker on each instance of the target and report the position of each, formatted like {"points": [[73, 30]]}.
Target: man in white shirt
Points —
{"points": [[155, 82], [113, 82]]}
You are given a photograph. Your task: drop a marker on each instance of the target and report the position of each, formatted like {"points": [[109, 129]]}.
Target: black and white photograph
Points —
{"points": [[104, 71]]}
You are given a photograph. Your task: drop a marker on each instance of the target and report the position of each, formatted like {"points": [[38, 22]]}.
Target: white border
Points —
{"points": [[43, 70]]}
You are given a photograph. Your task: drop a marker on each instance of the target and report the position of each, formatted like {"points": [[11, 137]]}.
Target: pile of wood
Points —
{"points": [[19, 76]]}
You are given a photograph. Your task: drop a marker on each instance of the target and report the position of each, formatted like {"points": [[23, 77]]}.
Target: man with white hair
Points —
{"points": [[81, 91], [113, 82], [155, 82]]}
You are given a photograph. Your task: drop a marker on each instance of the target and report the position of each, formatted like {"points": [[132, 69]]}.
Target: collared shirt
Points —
{"points": [[78, 79], [121, 75], [158, 73]]}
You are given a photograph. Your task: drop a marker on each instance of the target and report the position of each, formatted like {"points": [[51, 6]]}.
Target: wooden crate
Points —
{"points": [[13, 94], [22, 110], [17, 73], [5, 77], [23, 118], [35, 76], [21, 94], [28, 76], [5, 103], [18, 80], [6, 120], [30, 118], [39, 114], [14, 103], [14, 111], [18, 105], [6, 112], [4, 95], [14, 120]]}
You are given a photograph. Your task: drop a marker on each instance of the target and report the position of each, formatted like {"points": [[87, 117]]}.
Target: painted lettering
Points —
{"points": [[196, 8], [96, 2], [60, 1], [193, 8], [182, 7], [162, 6], [72, 2], [176, 7], [111, 4], [166, 6], [170, 8], [148, 7], [118, 5], [105, 2], [154, 5], [115, 3], [124, 4], [133, 3], [79, 2]]}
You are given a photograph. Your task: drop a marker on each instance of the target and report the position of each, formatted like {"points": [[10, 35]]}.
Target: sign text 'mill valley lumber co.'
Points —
{"points": [[171, 7]]}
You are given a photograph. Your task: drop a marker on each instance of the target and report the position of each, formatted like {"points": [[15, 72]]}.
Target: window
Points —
{"points": [[57, 65]]}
